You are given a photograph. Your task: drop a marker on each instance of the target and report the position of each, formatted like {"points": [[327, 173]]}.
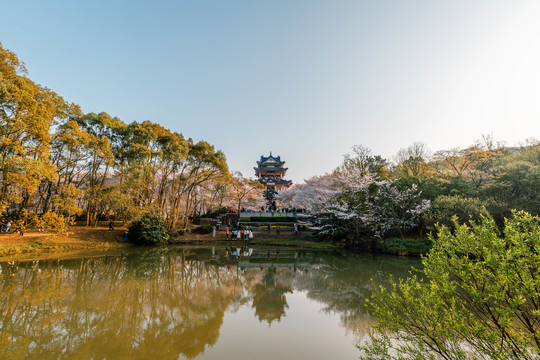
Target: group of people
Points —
{"points": [[242, 233], [279, 209], [234, 210], [237, 231], [265, 208]]}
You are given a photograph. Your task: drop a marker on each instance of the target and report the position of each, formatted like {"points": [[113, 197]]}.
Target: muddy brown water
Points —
{"points": [[191, 303]]}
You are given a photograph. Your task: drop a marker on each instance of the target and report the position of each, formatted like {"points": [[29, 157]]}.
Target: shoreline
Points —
{"points": [[80, 238], [77, 238]]}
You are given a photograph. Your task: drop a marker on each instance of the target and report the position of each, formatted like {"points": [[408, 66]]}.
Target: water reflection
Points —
{"points": [[269, 298], [170, 303]]}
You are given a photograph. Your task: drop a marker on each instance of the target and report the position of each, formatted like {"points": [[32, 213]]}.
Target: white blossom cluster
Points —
{"points": [[391, 208], [317, 195], [343, 199]]}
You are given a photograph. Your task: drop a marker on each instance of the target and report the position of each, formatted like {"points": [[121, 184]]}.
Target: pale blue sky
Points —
{"points": [[305, 79]]}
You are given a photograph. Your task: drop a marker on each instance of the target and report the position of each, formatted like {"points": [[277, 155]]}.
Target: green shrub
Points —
{"points": [[476, 297], [175, 233], [149, 229], [339, 234], [466, 209], [203, 229]]}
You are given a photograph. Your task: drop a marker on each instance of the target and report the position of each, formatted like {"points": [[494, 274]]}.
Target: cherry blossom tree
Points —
{"points": [[316, 195], [390, 208], [357, 202], [243, 191]]}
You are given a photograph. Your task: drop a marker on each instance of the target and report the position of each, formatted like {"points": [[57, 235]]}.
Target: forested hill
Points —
{"points": [[369, 195], [501, 177]]}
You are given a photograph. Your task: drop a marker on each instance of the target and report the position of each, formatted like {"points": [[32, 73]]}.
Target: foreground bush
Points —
{"points": [[47, 221], [477, 297], [148, 230]]}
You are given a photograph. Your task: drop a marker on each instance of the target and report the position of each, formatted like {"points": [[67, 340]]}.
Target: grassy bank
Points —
{"points": [[76, 238]]}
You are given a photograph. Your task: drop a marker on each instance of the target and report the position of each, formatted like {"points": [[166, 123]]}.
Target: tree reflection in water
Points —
{"points": [[159, 303]]}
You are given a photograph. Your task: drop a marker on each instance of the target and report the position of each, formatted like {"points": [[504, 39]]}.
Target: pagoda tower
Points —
{"points": [[270, 172]]}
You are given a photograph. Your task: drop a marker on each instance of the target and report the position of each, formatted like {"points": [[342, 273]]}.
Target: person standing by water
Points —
{"points": [[227, 232], [277, 230], [214, 231], [125, 237]]}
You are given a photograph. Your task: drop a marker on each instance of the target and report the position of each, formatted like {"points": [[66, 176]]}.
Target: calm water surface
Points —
{"points": [[190, 303]]}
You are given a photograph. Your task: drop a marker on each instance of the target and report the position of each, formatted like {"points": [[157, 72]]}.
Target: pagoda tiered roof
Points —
{"points": [[268, 160], [270, 169], [275, 181]]}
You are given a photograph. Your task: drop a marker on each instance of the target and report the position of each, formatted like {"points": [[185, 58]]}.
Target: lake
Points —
{"points": [[191, 303]]}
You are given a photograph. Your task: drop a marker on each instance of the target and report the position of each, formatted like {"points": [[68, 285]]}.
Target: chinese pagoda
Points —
{"points": [[270, 173]]}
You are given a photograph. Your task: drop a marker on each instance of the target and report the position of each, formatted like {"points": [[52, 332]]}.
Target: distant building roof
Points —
{"points": [[271, 160], [277, 181], [270, 169]]}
